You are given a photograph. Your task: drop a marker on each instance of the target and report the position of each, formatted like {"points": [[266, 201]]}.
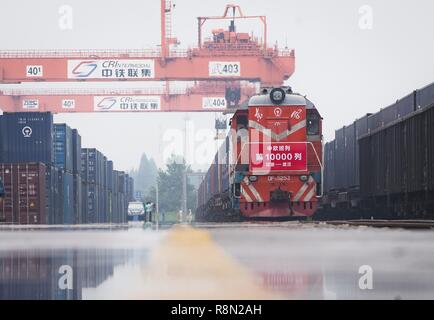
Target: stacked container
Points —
{"points": [[24, 200], [109, 190], [76, 173], [92, 162], [27, 137], [63, 159], [75, 185]]}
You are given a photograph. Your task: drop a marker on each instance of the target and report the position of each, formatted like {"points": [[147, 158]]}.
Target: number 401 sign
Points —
{"points": [[34, 71]]}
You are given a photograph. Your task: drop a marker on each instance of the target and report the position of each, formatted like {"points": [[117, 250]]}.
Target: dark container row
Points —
{"points": [[216, 179], [343, 155], [400, 158], [38, 194]]}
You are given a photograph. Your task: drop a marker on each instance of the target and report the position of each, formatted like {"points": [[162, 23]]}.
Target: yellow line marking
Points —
{"points": [[190, 265]]}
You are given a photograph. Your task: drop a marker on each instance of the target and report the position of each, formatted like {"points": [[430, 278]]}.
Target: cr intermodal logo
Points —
{"points": [[84, 69], [106, 103], [27, 132]]}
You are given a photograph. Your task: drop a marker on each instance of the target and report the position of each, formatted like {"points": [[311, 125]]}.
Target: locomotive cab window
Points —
{"points": [[312, 122], [242, 125], [242, 122]]}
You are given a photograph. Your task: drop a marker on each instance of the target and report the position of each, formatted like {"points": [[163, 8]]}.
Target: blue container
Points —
{"points": [[63, 147], [389, 114], [53, 194], [130, 189], [92, 164], [27, 137], [78, 199], [84, 202], [102, 208], [406, 105], [66, 187], [76, 152], [362, 126], [375, 121], [350, 146], [92, 194], [109, 174], [425, 96], [2, 188]]}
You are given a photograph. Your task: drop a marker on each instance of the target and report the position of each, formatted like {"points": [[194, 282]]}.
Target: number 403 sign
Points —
{"points": [[224, 69]]}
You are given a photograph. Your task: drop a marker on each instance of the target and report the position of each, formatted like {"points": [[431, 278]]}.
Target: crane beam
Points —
{"points": [[122, 101], [270, 69]]}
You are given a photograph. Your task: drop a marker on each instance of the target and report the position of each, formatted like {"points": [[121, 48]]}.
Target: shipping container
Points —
{"points": [[362, 126], [27, 137], [389, 114], [130, 189], [225, 166], [374, 121], [340, 164], [66, 197], [84, 202], [399, 158], [24, 201], [63, 147], [406, 105], [2, 189], [329, 168], [102, 212], [92, 213], [350, 157], [92, 164], [361, 130], [60, 196], [425, 96], [76, 152], [53, 205], [78, 199], [109, 175]]}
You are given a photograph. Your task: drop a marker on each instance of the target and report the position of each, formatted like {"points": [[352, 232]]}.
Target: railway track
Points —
{"points": [[406, 224]]}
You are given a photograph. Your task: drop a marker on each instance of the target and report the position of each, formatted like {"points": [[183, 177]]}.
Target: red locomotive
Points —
{"points": [[270, 165]]}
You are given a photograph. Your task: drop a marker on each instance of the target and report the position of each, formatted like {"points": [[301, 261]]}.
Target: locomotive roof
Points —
{"points": [[290, 99]]}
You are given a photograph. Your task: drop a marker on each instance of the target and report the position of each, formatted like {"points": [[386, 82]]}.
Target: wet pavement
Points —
{"points": [[217, 261]]}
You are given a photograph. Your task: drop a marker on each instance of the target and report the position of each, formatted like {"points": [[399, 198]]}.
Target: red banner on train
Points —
{"points": [[274, 156]]}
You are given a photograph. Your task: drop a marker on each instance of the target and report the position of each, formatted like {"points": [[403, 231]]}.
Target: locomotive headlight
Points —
{"points": [[304, 178], [253, 178], [277, 95]]}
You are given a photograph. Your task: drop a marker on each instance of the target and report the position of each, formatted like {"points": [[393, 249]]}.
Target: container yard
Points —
{"points": [[79, 185], [224, 158]]}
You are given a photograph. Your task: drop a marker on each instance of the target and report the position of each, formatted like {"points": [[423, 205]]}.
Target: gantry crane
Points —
{"points": [[204, 96], [229, 57]]}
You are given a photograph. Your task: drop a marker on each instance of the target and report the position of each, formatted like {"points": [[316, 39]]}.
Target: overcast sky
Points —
{"points": [[346, 63]]}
